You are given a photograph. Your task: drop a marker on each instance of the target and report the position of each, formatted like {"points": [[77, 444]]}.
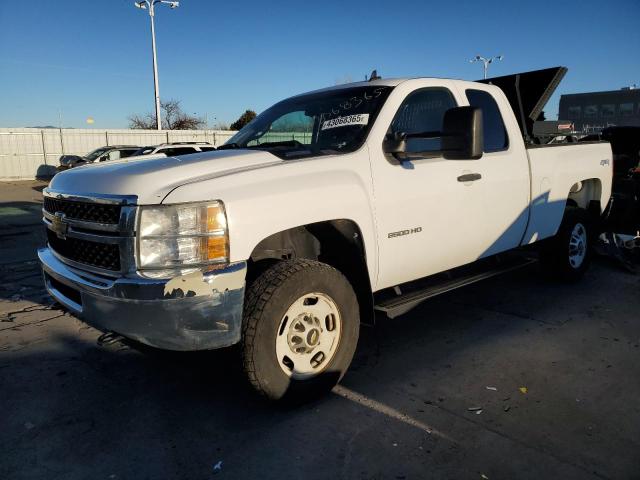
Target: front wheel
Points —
{"points": [[567, 255], [300, 330]]}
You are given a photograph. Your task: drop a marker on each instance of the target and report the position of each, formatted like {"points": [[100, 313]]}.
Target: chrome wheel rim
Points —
{"points": [[308, 336], [577, 245]]}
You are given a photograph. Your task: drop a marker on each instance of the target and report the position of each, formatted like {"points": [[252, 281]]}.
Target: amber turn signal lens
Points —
{"points": [[216, 219], [216, 247]]}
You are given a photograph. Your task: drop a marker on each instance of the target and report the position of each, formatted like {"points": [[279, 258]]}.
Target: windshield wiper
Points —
{"points": [[285, 143], [228, 146]]}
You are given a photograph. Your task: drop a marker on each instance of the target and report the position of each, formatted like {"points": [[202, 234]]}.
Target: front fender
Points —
{"points": [[262, 202]]}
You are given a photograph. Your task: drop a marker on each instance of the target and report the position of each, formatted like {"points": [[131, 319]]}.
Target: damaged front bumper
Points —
{"points": [[190, 312]]}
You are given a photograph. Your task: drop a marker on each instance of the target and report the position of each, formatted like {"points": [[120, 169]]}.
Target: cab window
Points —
{"points": [[495, 133], [421, 112]]}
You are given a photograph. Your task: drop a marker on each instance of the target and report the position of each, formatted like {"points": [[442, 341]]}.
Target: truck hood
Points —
{"points": [[152, 179]]}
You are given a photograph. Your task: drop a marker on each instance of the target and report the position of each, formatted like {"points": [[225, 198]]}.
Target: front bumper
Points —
{"points": [[188, 312]]}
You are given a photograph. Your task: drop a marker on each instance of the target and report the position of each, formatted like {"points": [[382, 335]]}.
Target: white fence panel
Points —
{"points": [[27, 153]]}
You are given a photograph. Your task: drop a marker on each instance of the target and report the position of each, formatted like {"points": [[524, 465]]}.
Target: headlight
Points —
{"points": [[182, 236]]}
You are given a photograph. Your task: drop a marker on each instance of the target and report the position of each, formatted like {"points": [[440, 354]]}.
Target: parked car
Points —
{"points": [[113, 152], [175, 149], [402, 189]]}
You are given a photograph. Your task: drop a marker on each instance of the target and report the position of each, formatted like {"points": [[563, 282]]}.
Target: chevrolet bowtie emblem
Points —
{"points": [[59, 226]]}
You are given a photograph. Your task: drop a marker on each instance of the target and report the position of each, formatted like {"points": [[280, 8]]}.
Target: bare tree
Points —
{"points": [[173, 118], [139, 122]]}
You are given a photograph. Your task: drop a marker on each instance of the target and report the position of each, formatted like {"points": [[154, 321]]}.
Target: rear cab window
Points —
{"points": [[495, 133]]}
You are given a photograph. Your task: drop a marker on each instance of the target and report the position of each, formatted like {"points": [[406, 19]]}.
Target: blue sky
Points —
{"points": [[93, 58]]}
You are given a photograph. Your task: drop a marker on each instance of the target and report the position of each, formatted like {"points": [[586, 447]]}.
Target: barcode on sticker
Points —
{"points": [[359, 119]]}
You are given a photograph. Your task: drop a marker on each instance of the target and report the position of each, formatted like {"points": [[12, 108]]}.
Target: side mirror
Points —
{"points": [[461, 137], [395, 143], [462, 134], [103, 158]]}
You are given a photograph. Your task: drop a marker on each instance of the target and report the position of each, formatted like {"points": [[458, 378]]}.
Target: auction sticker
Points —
{"points": [[359, 119]]}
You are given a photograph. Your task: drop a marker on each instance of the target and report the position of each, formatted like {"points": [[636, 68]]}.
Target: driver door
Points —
{"points": [[428, 219]]}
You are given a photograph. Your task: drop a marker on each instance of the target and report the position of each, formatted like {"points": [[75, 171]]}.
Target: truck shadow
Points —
{"points": [[195, 405], [215, 377]]}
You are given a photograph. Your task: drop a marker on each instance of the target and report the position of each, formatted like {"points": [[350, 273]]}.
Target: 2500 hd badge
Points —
{"points": [[402, 233]]}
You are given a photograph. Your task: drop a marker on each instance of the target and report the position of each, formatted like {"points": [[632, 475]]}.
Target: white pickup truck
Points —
{"points": [[328, 206]]}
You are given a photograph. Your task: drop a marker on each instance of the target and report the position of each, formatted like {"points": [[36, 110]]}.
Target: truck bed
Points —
{"points": [[554, 170]]}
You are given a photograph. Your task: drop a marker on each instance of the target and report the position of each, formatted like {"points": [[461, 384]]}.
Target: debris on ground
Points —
{"points": [[474, 409], [217, 468], [507, 408], [523, 390], [492, 388], [623, 248]]}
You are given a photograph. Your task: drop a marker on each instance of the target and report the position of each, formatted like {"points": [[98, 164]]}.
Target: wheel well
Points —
{"points": [[583, 193], [337, 243]]}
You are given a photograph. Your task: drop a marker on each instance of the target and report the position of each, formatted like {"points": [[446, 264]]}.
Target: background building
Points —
{"points": [[596, 110]]}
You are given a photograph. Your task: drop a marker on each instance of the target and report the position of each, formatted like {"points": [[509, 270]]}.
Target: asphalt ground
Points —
{"points": [[512, 378]]}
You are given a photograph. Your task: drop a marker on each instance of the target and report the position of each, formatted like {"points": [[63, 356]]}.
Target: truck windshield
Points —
{"points": [[330, 122]]}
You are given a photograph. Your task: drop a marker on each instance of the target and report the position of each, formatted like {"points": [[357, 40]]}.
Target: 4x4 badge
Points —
{"points": [[59, 226]]}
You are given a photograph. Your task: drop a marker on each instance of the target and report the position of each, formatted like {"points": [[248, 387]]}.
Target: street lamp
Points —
{"points": [[150, 5], [485, 62]]}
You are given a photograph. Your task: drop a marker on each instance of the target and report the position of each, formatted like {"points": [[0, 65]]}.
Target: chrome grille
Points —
{"points": [[93, 233], [95, 254], [88, 212]]}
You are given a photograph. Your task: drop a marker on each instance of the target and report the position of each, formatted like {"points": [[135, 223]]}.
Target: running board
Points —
{"points": [[401, 304]]}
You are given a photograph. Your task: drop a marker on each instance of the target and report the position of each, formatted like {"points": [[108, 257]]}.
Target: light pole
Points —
{"points": [[485, 62], [150, 5]]}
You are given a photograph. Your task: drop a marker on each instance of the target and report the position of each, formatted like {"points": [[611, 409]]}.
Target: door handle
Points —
{"points": [[469, 177]]}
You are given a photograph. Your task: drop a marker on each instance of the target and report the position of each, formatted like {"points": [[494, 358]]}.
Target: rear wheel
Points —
{"points": [[300, 330], [567, 255]]}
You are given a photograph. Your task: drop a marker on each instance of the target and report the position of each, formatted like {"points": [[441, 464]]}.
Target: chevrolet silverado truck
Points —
{"points": [[327, 207]]}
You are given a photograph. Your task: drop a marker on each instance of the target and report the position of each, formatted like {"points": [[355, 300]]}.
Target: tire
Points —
{"points": [[289, 352], [567, 255]]}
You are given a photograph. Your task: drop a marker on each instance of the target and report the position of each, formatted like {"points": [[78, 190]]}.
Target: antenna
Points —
{"points": [[374, 76]]}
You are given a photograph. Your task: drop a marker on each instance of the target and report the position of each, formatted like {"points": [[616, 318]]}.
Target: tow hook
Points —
{"points": [[109, 338]]}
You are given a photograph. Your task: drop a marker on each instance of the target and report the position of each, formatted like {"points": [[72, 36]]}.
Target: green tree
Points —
{"points": [[245, 118]]}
